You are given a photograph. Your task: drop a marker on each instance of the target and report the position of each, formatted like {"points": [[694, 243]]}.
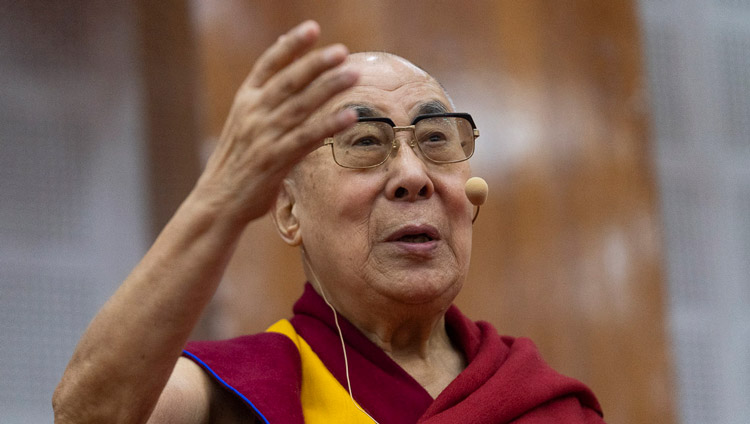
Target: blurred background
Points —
{"points": [[615, 140]]}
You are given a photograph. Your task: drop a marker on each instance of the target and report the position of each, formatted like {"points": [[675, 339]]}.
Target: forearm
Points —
{"points": [[126, 355]]}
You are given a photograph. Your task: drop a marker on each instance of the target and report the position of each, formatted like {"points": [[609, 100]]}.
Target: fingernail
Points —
{"points": [[305, 29], [349, 76], [346, 117], [335, 53]]}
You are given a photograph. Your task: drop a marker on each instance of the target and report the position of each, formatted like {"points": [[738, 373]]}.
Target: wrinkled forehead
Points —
{"points": [[392, 85]]}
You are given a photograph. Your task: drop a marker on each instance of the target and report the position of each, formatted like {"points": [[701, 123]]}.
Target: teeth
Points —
{"points": [[416, 238]]}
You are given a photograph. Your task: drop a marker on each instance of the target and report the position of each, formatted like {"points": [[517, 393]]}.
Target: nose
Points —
{"points": [[408, 177]]}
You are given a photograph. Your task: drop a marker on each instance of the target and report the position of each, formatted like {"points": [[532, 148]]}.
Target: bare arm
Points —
{"points": [[187, 397], [126, 356], [192, 397]]}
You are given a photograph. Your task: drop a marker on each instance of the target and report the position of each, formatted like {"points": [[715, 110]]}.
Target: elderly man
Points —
{"points": [[361, 162]]}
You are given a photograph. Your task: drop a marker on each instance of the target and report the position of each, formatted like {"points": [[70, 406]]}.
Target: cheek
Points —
{"points": [[463, 245], [338, 208], [353, 200], [459, 212]]}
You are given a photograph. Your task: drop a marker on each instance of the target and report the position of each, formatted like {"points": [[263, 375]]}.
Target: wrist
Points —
{"points": [[207, 206]]}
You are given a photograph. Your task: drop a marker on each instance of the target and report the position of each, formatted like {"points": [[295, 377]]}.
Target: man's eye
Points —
{"points": [[366, 142], [434, 137]]}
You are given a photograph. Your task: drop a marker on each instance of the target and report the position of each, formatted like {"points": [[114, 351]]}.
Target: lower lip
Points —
{"points": [[416, 247]]}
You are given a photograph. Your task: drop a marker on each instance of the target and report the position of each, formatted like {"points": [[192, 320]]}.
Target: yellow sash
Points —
{"points": [[324, 400]]}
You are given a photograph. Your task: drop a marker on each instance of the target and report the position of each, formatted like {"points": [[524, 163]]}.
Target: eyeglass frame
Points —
{"points": [[395, 144]]}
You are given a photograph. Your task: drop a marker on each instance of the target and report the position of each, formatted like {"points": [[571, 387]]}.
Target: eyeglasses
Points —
{"points": [[440, 137]]}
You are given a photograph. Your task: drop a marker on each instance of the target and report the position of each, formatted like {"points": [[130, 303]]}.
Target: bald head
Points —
{"points": [[384, 57], [404, 68]]}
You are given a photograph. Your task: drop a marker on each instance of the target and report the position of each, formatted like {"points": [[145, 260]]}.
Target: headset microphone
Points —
{"points": [[476, 191]]}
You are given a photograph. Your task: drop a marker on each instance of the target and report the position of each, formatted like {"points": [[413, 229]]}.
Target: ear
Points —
{"points": [[284, 215]]}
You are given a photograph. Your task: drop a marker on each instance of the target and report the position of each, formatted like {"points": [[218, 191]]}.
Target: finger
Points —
{"points": [[306, 138], [298, 108], [288, 47], [302, 72]]}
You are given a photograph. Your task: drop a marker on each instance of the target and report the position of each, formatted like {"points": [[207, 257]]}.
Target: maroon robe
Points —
{"points": [[505, 379]]}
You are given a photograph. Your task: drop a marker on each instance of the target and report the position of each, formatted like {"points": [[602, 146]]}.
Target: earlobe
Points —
{"points": [[284, 215]]}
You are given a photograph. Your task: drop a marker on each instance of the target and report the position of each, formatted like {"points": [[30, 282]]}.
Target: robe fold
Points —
{"points": [[295, 373]]}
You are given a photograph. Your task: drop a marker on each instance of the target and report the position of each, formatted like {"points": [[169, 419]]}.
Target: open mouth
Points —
{"points": [[415, 238], [415, 234]]}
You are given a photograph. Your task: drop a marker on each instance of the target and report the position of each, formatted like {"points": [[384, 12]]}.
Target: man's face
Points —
{"points": [[400, 231]]}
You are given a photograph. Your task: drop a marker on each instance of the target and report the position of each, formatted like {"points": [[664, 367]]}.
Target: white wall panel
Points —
{"points": [[698, 62]]}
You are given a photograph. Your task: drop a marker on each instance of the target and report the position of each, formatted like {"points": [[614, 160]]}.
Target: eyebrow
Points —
{"points": [[433, 106], [368, 111], [363, 111]]}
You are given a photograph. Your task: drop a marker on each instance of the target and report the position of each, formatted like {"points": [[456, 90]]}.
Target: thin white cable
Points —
{"points": [[341, 335]]}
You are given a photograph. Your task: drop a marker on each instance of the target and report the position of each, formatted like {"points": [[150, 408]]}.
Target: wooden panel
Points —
{"points": [[567, 250], [171, 123], [168, 69]]}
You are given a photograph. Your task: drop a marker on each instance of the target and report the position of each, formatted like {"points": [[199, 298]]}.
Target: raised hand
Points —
{"points": [[275, 121], [124, 360]]}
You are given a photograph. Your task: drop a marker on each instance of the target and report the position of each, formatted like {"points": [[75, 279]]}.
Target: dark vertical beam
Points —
{"points": [[170, 121], [171, 127]]}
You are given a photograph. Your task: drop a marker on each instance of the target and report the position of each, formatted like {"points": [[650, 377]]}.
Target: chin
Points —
{"points": [[421, 287]]}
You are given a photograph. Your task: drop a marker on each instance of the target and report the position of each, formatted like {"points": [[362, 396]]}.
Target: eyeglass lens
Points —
{"points": [[440, 139]]}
